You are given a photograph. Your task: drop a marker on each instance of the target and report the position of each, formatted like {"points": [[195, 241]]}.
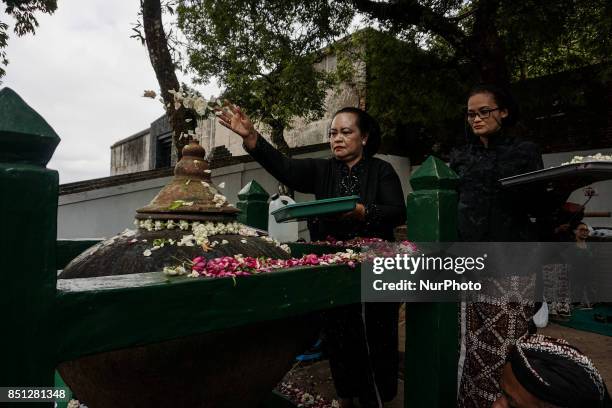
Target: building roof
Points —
{"points": [[130, 138]]}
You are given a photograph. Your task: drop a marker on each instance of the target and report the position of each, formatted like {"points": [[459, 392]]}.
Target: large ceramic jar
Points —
{"points": [[188, 218]]}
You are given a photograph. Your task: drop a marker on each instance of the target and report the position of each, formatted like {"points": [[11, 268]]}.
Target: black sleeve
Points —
{"points": [[535, 162], [543, 205], [532, 162], [544, 202], [297, 174], [454, 165], [454, 155], [389, 209]]}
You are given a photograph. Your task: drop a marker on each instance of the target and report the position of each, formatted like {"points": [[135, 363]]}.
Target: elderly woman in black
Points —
{"points": [[360, 340], [488, 213]]}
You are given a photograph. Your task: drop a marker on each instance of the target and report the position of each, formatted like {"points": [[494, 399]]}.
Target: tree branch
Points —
{"points": [[157, 45], [463, 16], [489, 53], [410, 12], [161, 60]]}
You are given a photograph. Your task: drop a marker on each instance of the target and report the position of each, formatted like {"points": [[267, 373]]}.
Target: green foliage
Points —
{"points": [[542, 38], [25, 21], [411, 91], [407, 78], [417, 79], [264, 52], [418, 71], [537, 37]]}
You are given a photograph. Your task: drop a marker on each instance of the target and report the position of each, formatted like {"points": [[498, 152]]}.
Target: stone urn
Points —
{"points": [[237, 367]]}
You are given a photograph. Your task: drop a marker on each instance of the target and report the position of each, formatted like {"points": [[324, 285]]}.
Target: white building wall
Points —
{"points": [[107, 211], [104, 212]]}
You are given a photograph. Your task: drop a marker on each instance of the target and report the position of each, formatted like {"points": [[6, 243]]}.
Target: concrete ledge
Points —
{"points": [[113, 190], [221, 167]]}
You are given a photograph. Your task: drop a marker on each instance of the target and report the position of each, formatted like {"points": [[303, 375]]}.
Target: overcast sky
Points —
{"points": [[85, 75]]}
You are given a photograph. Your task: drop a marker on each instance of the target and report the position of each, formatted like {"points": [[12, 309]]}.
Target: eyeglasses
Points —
{"points": [[481, 113]]}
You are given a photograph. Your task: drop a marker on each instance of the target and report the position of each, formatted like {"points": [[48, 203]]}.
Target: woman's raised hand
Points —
{"points": [[238, 122]]}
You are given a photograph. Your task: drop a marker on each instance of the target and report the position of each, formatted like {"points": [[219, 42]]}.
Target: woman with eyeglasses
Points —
{"points": [[360, 340], [488, 213]]}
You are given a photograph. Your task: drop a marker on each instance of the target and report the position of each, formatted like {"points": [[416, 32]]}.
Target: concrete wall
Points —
{"points": [[132, 155], [222, 136], [138, 152], [104, 212], [601, 202], [301, 132], [107, 211]]}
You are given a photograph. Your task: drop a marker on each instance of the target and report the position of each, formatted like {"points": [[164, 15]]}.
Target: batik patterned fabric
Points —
{"points": [[492, 326], [557, 291], [557, 373], [487, 212]]}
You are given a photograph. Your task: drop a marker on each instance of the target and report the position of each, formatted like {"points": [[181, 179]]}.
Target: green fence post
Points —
{"points": [[254, 205], [432, 329], [59, 383], [28, 205]]}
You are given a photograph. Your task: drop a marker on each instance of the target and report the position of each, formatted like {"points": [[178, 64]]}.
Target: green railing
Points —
{"points": [[47, 321]]}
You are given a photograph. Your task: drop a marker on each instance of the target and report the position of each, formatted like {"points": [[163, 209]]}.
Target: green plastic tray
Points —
{"points": [[301, 211]]}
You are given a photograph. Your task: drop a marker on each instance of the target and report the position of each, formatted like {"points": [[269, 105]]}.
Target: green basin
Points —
{"points": [[300, 211]]}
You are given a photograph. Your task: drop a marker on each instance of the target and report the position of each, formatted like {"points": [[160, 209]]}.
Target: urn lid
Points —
{"points": [[190, 195]]}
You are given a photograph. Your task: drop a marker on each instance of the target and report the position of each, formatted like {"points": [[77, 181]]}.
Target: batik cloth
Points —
{"points": [[490, 328]]}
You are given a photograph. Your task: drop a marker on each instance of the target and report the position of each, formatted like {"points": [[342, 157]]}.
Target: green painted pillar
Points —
{"points": [[432, 329], [28, 207], [253, 202], [59, 383]]}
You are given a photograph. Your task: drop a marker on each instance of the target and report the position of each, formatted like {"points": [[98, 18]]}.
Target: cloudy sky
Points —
{"points": [[85, 75]]}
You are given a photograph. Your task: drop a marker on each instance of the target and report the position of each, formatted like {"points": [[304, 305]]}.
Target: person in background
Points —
{"points": [[544, 372], [488, 213], [556, 282], [581, 233], [579, 257], [361, 339]]}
